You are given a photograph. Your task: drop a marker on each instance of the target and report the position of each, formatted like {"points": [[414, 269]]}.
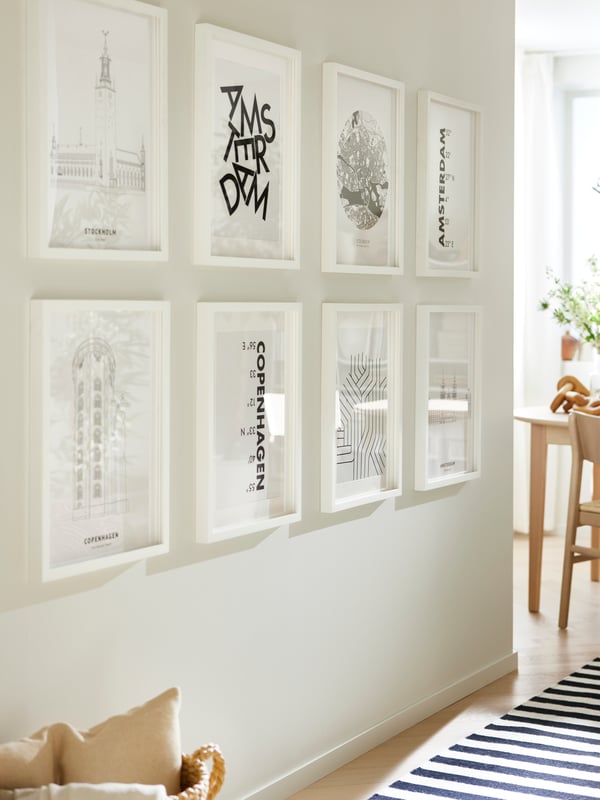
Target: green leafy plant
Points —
{"points": [[576, 307]]}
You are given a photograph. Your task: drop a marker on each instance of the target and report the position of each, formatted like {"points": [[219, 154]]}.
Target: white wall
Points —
{"points": [[290, 643]]}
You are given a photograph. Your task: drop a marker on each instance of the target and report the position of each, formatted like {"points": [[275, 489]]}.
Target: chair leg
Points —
{"points": [[567, 576]]}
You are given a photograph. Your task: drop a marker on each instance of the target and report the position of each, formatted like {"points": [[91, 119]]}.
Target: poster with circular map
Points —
{"points": [[363, 171]]}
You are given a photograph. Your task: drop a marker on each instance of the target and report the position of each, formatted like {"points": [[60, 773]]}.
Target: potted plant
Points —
{"points": [[576, 307]]}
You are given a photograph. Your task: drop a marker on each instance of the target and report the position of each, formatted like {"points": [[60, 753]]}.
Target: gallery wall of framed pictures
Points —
{"points": [[97, 118]]}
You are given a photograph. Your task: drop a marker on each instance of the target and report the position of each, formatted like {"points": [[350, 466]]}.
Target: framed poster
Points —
{"points": [[448, 155], [97, 130], [247, 148], [363, 172], [248, 422], [448, 415], [99, 432], [361, 438]]}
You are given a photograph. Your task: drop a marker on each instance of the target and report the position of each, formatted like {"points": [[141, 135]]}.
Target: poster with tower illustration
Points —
{"points": [[97, 179], [99, 431]]}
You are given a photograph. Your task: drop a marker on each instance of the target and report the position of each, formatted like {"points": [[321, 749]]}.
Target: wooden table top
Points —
{"points": [[541, 414]]}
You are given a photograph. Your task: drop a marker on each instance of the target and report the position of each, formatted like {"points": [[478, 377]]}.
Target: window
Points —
{"points": [[582, 213]]}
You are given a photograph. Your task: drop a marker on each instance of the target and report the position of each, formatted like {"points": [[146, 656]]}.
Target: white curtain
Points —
{"points": [[537, 362]]}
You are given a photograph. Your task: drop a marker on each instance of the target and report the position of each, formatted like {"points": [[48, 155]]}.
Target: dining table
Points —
{"points": [[547, 427]]}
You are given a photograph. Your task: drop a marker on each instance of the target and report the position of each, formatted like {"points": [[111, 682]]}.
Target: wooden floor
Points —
{"points": [[546, 654]]}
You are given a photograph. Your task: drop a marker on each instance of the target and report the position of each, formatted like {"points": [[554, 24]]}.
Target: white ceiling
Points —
{"points": [[558, 25]]}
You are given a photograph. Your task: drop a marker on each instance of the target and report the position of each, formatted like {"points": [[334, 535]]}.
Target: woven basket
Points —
{"points": [[197, 782]]}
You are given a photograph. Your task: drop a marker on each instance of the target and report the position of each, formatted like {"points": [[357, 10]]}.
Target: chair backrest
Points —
{"points": [[584, 430]]}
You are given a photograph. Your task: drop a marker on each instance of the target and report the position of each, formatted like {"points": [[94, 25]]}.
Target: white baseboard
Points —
{"points": [[331, 760]]}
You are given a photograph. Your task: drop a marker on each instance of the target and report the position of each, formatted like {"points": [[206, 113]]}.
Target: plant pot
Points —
{"points": [[569, 346]]}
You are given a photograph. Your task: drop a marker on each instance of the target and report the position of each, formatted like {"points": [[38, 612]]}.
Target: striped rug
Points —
{"points": [[549, 747]]}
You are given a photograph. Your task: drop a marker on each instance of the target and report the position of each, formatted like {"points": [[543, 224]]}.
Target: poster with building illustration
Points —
{"points": [[361, 422], [104, 130], [102, 388], [447, 186], [362, 171], [248, 415], [247, 150]]}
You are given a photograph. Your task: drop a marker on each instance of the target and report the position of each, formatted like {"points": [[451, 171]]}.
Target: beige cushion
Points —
{"points": [[28, 762], [141, 746]]}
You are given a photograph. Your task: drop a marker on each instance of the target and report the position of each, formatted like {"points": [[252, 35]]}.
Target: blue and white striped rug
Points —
{"points": [[548, 747]]}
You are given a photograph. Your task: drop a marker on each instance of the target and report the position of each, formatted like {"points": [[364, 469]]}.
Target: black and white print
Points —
{"points": [[100, 134], [365, 162], [247, 418], [361, 430], [101, 427], [450, 417], [249, 428], [247, 185], [362, 170], [361, 397], [361, 414], [451, 187]]}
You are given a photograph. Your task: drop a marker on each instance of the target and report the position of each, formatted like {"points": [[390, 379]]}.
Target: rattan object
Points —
{"points": [[197, 782]]}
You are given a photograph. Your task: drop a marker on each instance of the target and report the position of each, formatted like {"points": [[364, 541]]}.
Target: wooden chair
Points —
{"points": [[584, 431]]}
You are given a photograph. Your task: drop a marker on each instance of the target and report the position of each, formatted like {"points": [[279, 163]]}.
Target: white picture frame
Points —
{"points": [[361, 404], [247, 151], [448, 178], [363, 172], [448, 396], [97, 130], [248, 468], [99, 433]]}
